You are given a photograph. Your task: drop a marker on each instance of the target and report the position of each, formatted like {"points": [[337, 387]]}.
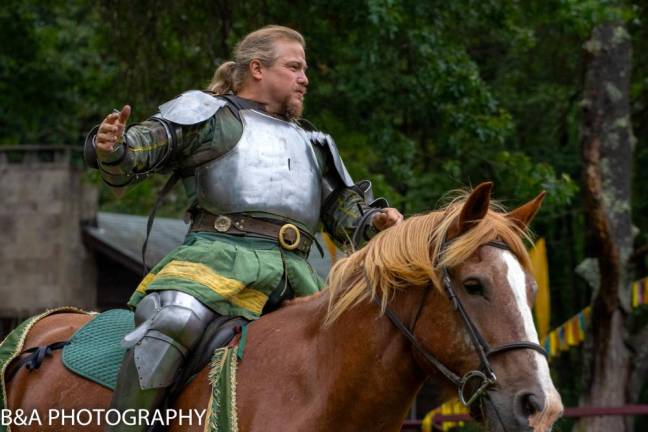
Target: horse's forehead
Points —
{"points": [[515, 275], [503, 267], [491, 258], [510, 271]]}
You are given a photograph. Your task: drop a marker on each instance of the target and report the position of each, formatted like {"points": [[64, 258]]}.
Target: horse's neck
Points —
{"points": [[381, 374], [366, 366]]}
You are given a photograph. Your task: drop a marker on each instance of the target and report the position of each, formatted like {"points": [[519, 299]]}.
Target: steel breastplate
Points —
{"points": [[273, 169]]}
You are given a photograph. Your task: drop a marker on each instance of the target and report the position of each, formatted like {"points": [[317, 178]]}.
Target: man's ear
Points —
{"points": [[256, 70]]}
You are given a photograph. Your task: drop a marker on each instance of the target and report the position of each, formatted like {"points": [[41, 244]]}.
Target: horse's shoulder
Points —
{"points": [[301, 300]]}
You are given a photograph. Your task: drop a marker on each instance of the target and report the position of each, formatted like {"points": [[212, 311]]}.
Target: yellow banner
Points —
{"points": [[542, 308]]}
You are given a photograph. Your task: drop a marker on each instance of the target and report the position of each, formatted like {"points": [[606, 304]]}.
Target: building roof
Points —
{"points": [[121, 236]]}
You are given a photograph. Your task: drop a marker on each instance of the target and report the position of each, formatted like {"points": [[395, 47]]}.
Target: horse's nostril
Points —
{"points": [[529, 404]]}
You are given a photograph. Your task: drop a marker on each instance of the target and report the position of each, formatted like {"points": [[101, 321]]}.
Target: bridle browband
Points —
{"points": [[485, 373]]}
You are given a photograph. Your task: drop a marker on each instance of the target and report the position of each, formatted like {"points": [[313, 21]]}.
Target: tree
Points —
{"points": [[607, 143]]}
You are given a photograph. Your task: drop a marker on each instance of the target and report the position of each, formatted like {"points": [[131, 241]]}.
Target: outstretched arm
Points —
{"points": [[126, 155]]}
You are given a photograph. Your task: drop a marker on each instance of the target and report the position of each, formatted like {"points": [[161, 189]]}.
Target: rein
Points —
{"points": [[484, 375]]}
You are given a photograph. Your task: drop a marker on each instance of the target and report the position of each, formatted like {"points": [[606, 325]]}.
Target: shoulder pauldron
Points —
{"points": [[192, 107], [326, 141]]}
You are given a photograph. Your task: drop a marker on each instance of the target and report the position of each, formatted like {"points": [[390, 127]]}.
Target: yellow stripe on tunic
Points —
{"points": [[204, 275], [145, 283], [251, 300], [231, 289]]}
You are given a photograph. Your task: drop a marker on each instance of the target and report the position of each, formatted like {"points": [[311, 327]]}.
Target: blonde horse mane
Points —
{"points": [[405, 255]]}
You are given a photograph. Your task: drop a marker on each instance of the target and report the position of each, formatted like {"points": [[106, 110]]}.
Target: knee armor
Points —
{"points": [[169, 324]]}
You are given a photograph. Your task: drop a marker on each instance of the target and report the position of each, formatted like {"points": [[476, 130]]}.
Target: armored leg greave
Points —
{"points": [[169, 324]]}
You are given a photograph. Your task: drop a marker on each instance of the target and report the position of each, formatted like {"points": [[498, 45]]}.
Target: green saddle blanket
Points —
{"points": [[95, 350]]}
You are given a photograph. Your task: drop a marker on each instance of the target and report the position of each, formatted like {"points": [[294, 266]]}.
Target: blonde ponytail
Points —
{"points": [[223, 79]]}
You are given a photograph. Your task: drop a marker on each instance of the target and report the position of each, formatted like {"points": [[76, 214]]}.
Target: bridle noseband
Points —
{"points": [[484, 375]]}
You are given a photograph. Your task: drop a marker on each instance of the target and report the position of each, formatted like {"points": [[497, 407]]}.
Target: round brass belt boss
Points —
{"points": [[222, 223], [282, 240]]}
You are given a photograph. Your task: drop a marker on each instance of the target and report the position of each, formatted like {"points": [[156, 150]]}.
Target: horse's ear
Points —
{"points": [[473, 210], [524, 214]]}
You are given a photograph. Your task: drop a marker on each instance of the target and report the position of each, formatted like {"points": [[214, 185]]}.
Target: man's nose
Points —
{"points": [[303, 79]]}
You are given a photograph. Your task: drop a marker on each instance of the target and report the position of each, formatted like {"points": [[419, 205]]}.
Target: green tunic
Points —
{"points": [[232, 275]]}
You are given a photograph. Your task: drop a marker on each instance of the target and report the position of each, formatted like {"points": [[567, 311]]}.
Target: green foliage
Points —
{"points": [[52, 73], [524, 176], [583, 15]]}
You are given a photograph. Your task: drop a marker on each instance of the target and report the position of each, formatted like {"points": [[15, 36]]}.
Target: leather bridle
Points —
{"points": [[484, 376]]}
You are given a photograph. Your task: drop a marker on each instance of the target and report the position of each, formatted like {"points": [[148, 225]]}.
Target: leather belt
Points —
{"points": [[289, 236]]}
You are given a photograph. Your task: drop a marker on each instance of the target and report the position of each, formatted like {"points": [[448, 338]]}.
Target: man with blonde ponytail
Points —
{"points": [[260, 187]]}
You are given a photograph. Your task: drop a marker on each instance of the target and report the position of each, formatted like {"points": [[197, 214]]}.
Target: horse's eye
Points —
{"points": [[474, 287]]}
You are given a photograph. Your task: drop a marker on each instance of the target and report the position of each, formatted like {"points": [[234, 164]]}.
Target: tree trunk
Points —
{"points": [[607, 146]]}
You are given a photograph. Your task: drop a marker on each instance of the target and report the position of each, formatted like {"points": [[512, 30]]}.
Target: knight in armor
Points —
{"points": [[260, 185]]}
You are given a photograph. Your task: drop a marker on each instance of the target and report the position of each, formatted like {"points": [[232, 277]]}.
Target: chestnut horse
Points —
{"points": [[335, 362]]}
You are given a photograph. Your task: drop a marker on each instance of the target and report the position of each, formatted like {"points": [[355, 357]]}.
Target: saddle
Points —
{"points": [[219, 333]]}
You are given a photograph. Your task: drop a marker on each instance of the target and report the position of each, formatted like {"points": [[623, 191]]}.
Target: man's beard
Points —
{"points": [[293, 109]]}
